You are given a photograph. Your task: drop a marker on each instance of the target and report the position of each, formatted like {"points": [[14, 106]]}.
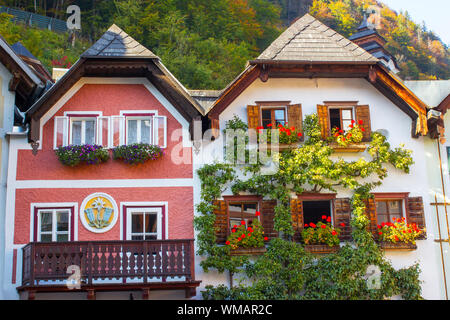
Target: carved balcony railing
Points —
{"points": [[125, 261]]}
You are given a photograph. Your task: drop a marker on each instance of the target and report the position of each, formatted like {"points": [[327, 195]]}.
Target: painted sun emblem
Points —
{"points": [[98, 213]]}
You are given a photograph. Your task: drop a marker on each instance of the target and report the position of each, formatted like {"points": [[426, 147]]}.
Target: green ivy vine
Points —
{"points": [[286, 270]]}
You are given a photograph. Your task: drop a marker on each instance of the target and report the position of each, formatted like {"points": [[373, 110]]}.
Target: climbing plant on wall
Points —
{"points": [[286, 270]]}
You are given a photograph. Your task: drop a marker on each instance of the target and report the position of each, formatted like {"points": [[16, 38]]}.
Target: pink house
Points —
{"points": [[110, 228]]}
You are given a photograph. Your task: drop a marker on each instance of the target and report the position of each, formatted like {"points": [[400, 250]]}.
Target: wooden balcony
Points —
{"points": [[110, 266]]}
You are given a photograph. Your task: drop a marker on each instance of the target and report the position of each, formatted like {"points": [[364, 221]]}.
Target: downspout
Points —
{"points": [[440, 240]]}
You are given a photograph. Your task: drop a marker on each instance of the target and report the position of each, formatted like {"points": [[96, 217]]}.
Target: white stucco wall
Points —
{"points": [[384, 115], [8, 99]]}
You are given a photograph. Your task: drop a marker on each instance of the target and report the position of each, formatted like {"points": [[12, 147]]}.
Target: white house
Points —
{"points": [[312, 69], [19, 86]]}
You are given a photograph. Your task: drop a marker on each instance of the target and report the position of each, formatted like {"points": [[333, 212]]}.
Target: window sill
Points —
{"points": [[351, 148], [320, 248], [248, 251], [389, 246]]}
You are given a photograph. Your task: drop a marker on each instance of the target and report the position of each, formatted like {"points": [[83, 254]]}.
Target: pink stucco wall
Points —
{"points": [[110, 99], [179, 214]]}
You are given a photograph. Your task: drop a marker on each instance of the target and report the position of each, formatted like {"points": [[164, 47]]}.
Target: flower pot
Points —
{"points": [[397, 246], [321, 248], [353, 147], [248, 251]]}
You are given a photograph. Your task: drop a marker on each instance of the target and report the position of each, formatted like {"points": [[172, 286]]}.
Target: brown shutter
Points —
{"points": [[215, 128], [322, 113], [363, 113], [415, 214], [297, 218], [343, 214], [267, 214], [253, 117], [371, 212], [221, 223], [295, 118]]}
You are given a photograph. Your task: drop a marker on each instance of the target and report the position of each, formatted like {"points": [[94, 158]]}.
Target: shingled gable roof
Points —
{"points": [[117, 43], [116, 54], [309, 40]]}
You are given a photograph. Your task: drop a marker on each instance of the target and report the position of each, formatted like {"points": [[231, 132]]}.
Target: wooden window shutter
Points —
{"points": [[267, 215], [415, 213], [215, 128], [295, 118], [221, 223], [253, 117], [322, 113], [343, 214], [297, 218], [363, 113], [371, 212]]}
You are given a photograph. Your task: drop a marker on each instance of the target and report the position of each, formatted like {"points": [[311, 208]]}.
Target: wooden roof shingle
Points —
{"points": [[117, 43], [309, 40]]}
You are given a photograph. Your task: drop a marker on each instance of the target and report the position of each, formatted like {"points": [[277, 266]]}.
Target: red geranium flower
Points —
{"points": [[362, 129], [329, 219], [360, 122], [243, 236], [324, 217], [239, 239], [380, 233], [233, 230], [299, 134], [257, 213], [306, 225], [353, 121], [227, 243], [265, 238], [269, 125], [333, 232], [242, 222], [323, 226], [341, 131], [342, 224], [312, 225]]}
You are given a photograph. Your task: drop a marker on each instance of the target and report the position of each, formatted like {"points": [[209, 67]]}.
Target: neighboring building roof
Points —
{"points": [[308, 39], [116, 54], [22, 51], [117, 43], [432, 92], [34, 63], [25, 82], [205, 98]]}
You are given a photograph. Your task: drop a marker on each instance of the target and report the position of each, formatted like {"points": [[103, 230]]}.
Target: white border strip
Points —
{"points": [[117, 183]]}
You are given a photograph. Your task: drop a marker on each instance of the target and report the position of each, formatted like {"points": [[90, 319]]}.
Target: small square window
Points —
{"points": [[273, 116], [388, 209], [83, 131], [341, 118]]}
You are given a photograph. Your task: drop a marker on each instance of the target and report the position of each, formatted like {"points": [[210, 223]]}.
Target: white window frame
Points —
{"points": [[54, 232], [139, 120], [136, 210], [140, 115], [83, 128]]}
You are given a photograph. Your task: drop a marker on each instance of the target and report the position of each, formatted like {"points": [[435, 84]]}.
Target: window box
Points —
{"points": [[248, 251], [397, 246], [321, 248], [350, 148], [281, 146]]}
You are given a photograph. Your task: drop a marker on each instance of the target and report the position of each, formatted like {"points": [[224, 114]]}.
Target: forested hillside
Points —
{"points": [[206, 43]]}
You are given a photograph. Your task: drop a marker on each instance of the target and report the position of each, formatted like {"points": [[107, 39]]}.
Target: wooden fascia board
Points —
{"points": [[397, 89], [444, 105]]}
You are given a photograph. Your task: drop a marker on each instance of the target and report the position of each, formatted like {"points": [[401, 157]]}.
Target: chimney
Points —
{"points": [[370, 40]]}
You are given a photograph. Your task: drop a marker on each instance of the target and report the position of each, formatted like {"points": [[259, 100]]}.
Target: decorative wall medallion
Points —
{"points": [[99, 212]]}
